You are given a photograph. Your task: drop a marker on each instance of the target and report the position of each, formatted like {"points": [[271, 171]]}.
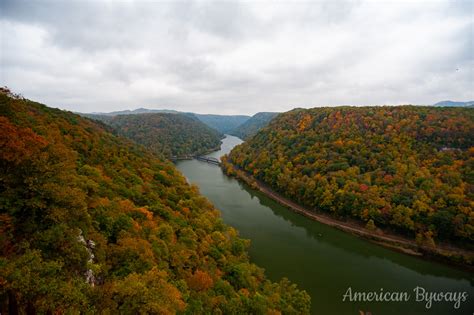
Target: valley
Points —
{"points": [[207, 157]]}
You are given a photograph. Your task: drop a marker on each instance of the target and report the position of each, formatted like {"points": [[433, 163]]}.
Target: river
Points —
{"points": [[320, 259]]}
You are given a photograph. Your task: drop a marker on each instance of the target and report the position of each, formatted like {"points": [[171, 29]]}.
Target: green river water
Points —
{"points": [[320, 259]]}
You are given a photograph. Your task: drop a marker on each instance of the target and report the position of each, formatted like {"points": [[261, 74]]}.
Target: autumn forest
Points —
{"points": [[93, 223], [405, 169], [234, 157]]}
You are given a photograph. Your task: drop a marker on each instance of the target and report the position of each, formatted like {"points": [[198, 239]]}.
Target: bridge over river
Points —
{"points": [[208, 159]]}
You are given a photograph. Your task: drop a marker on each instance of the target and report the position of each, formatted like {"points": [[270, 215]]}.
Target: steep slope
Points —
{"points": [[253, 125], [92, 223], [454, 104], [223, 123], [406, 168], [167, 134]]}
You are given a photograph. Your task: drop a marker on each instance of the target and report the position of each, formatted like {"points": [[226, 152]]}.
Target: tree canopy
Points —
{"points": [[166, 134], [92, 223], [407, 168]]}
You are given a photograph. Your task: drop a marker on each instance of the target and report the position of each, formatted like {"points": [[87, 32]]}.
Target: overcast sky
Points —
{"points": [[236, 57]]}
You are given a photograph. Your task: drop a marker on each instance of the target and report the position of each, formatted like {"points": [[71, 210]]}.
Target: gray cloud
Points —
{"points": [[236, 56]]}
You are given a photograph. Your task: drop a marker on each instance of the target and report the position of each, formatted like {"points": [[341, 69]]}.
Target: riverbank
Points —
{"points": [[447, 254]]}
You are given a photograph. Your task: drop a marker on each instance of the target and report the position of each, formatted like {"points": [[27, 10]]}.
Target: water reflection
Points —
{"points": [[324, 234]]}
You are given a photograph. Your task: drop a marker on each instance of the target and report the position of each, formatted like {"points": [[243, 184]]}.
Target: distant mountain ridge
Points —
{"points": [[253, 125], [135, 111], [455, 104], [221, 123]]}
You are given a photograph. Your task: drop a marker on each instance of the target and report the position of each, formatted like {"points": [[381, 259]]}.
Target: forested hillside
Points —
{"points": [[92, 223], [407, 168], [222, 123], [167, 134], [253, 125]]}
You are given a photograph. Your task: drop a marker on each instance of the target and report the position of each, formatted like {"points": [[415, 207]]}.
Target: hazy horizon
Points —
{"points": [[236, 57]]}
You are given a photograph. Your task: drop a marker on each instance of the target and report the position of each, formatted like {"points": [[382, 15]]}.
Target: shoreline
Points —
{"points": [[450, 255]]}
